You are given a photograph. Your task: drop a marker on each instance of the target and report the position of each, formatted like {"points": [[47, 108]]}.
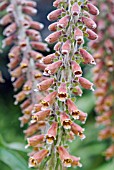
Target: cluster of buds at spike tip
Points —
{"points": [[104, 74], [56, 113]]}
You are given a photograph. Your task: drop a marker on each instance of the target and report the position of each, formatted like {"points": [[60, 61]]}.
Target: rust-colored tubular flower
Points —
{"points": [[56, 111], [104, 74]]}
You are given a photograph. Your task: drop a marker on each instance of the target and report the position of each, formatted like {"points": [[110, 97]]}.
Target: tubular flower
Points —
{"points": [[56, 111], [104, 74]]}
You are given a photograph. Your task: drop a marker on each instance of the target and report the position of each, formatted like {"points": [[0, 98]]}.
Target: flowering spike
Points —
{"points": [[50, 82], [103, 49]]}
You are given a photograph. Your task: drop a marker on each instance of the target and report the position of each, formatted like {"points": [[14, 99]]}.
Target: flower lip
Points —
{"points": [[24, 65], [75, 114], [62, 96], [50, 139], [78, 73], [67, 124], [32, 162], [47, 72], [67, 162], [79, 41], [45, 104], [34, 119], [81, 135]]}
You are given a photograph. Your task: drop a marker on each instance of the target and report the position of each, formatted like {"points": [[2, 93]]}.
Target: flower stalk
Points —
{"points": [[104, 75], [50, 84], [64, 81], [22, 32]]}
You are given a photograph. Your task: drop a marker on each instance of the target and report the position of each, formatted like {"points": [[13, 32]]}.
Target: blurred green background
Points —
{"points": [[13, 156]]}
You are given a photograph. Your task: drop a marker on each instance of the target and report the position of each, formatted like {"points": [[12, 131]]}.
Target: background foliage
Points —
{"points": [[13, 155]]}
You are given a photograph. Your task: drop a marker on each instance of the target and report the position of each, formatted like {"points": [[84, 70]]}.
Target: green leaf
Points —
{"points": [[108, 166], [13, 159], [15, 145]]}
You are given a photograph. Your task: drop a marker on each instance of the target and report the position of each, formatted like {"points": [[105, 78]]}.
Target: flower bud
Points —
{"points": [[24, 63], [27, 87], [14, 52], [31, 130], [35, 55], [76, 69], [24, 119], [10, 8], [20, 97], [56, 3], [28, 3], [109, 153], [57, 47], [39, 46], [78, 36], [86, 83], [7, 19], [10, 29], [88, 58], [77, 91], [41, 67], [37, 108], [40, 116], [52, 68], [104, 134], [37, 74], [92, 34], [54, 14], [44, 85], [75, 10], [16, 72], [3, 5], [35, 140], [63, 22], [8, 41], [93, 9], [66, 47], [28, 110], [77, 130], [53, 26], [36, 25], [52, 38], [49, 58], [14, 63], [89, 22], [18, 83], [29, 10], [25, 104], [32, 33]]}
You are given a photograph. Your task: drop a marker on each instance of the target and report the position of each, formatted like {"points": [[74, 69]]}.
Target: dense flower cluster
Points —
{"points": [[104, 74], [22, 33], [48, 99], [64, 80]]}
